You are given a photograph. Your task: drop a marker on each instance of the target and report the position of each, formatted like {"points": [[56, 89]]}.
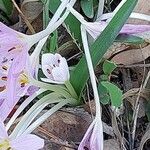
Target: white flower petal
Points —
{"points": [[96, 140], [47, 70], [49, 59], [55, 68], [60, 74]]}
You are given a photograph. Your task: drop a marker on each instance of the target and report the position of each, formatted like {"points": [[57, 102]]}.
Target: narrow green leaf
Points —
{"points": [[108, 67], [100, 46], [114, 92], [87, 7], [6, 6], [129, 39], [71, 22], [54, 42]]}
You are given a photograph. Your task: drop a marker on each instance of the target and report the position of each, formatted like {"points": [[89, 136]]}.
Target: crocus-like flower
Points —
{"points": [[95, 28], [93, 137], [23, 142], [22, 88], [55, 68], [14, 48], [12, 43]]}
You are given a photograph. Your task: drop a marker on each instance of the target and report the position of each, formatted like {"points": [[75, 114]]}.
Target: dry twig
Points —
{"points": [[24, 17]]}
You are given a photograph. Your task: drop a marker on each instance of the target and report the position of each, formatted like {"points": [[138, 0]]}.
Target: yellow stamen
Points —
{"points": [[23, 79], [4, 145]]}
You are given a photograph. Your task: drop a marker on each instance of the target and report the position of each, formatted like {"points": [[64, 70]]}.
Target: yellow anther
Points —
{"points": [[23, 79], [4, 145]]}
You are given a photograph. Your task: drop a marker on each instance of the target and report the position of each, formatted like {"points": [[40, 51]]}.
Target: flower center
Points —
{"points": [[4, 145], [23, 79]]}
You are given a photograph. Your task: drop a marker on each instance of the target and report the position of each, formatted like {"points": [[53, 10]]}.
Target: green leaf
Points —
{"points": [[87, 7], [100, 46], [103, 94], [54, 42], [108, 67], [74, 27], [129, 39], [114, 92], [6, 6], [71, 22]]}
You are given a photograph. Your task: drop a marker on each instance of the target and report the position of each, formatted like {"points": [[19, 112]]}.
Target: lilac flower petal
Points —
{"points": [[96, 140], [1, 101], [11, 98], [13, 46], [85, 143], [95, 28], [5, 29], [10, 42], [3, 133], [27, 142], [13, 75], [21, 91], [93, 138], [31, 90], [20, 62], [133, 29], [6, 108]]}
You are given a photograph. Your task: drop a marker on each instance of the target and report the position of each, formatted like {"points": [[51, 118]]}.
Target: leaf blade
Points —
{"points": [[114, 92], [100, 46]]}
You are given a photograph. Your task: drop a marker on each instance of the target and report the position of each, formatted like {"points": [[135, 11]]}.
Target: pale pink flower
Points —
{"points": [[95, 28], [93, 137], [23, 142], [14, 58], [12, 43], [21, 88], [55, 68]]}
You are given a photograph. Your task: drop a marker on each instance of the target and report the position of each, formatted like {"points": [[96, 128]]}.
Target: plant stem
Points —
{"points": [[55, 88], [51, 27], [91, 70], [22, 107], [45, 116], [71, 89], [76, 14], [33, 112], [100, 8]]}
